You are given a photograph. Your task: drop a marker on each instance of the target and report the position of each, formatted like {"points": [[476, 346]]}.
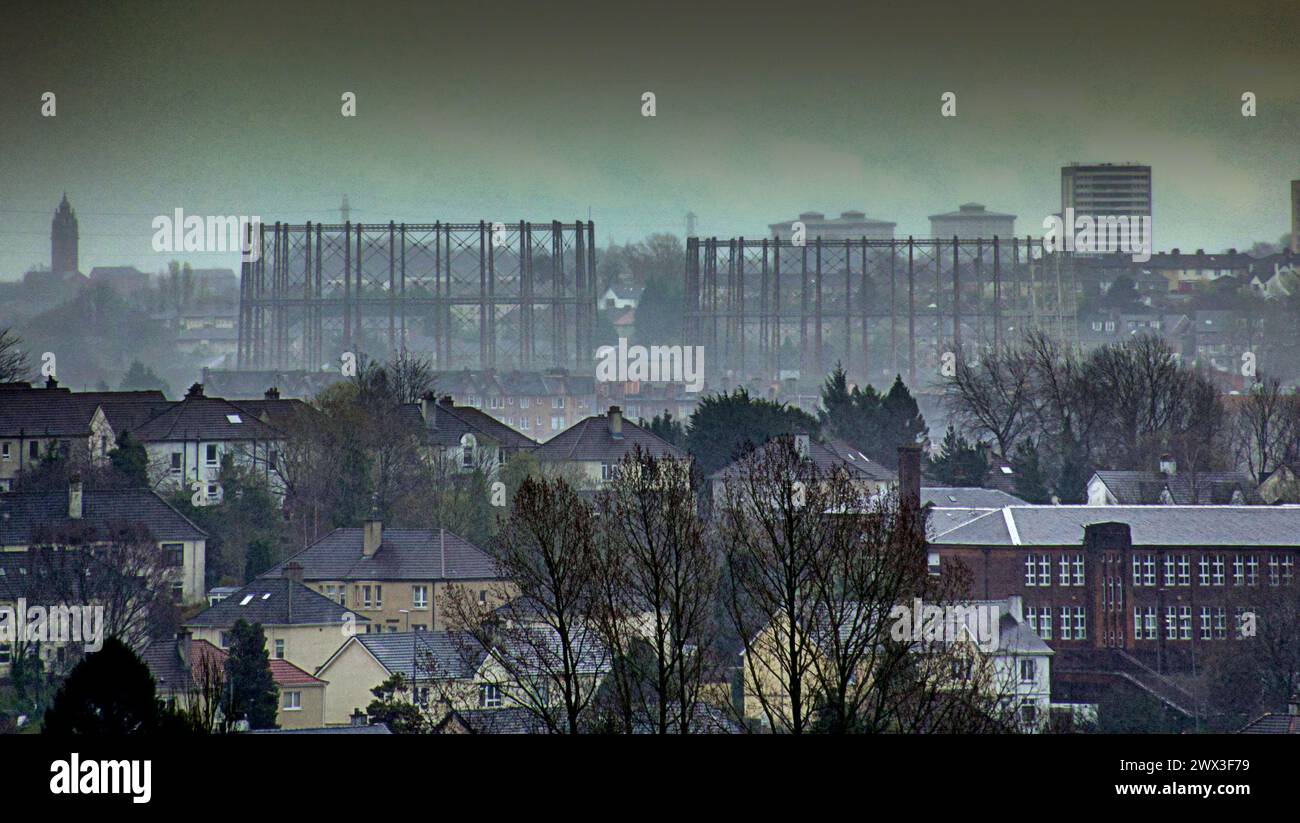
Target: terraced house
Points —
{"points": [[594, 447]]}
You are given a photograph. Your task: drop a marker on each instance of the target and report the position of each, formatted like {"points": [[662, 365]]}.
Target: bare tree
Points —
{"points": [[656, 593], [815, 570], [14, 366], [119, 569], [993, 397], [1266, 425], [542, 639]]}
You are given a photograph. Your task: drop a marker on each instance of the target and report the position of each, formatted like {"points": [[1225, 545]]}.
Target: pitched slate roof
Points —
{"points": [[1135, 488], [1192, 526], [404, 554], [373, 728], [275, 601], [447, 422], [418, 655], [1273, 723], [170, 673], [964, 497], [508, 720], [58, 412], [204, 418], [592, 439], [24, 511], [827, 458]]}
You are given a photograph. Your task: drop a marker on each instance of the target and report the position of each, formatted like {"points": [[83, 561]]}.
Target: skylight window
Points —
{"points": [[266, 596], [246, 599], [233, 418]]}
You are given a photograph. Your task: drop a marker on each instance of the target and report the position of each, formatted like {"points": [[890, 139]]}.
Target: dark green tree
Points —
{"points": [[251, 693], [724, 426], [668, 428], [1030, 480], [130, 460], [959, 463], [109, 692], [901, 423], [393, 706], [140, 377]]}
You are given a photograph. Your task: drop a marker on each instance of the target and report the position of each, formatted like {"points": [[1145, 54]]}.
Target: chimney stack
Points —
{"points": [[616, 422], [273, 393], [196, 391], [293, 571], [74, 496], [909, 476], [51, 383], [1016, 607], [372, 534]]}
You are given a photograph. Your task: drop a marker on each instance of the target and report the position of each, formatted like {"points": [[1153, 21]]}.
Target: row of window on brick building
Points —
{"points": [[1211, 570], [1073, 624]]}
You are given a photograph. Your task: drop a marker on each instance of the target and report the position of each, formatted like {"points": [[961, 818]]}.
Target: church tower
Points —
{"points": [[63, 240]]}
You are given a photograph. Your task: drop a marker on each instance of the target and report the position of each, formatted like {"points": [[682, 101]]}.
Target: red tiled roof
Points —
{"points": [[284, 672]]}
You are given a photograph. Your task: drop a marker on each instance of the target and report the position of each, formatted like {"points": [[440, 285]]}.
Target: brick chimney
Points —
{"points": [[293, 571], [1113, 536], [74, 496], [909, 476], [196, 390], [51, 383], [272, 393], [1168, 466], [372, 534], [616, 422]]}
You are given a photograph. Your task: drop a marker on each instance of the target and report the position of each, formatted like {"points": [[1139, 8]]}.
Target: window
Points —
{"points": [[1065, 570], [495, 403], [1274, 570], [1184, 622], [1078, 570], [1218, 570], [1066, 631], [1184, 570], [178, 593], [4, 653], [489, 696], [365, 597], [467, 451], [1252, 570], [224, 640], [176, 463], [1149, 621], [1171, 570], [1144, 570], [605, 472], [211, 456], [557, 403], [34, 450], [174, 554], [1204, 579], [1207, 625], [1238, 570], [524, 401], [1040, 621], [4, 451], [1080, 623], [1171, 623], [420, 597], [1288, 569], [1028, 670], [279, 649], [1220, 624], [379, 597], [932, 563], [1031, 570], [482, 597], [292, 701]]}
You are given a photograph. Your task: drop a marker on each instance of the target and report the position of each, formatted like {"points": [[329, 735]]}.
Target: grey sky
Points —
{"points": [[532, 110]]}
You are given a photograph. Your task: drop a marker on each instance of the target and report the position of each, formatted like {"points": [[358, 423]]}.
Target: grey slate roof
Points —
{"points": [[58, 412], [404, 554], [827, 458], [24, 511], [509, 720], [267, 601], [1192, 526], [1135, 488], [1273, 723], [447, 422], [422, 655], [964, 497], [206, 418], [590, 439], [373, 728]]}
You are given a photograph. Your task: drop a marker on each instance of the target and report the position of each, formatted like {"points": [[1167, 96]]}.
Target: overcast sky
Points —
{"points": [[510, 110]]}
